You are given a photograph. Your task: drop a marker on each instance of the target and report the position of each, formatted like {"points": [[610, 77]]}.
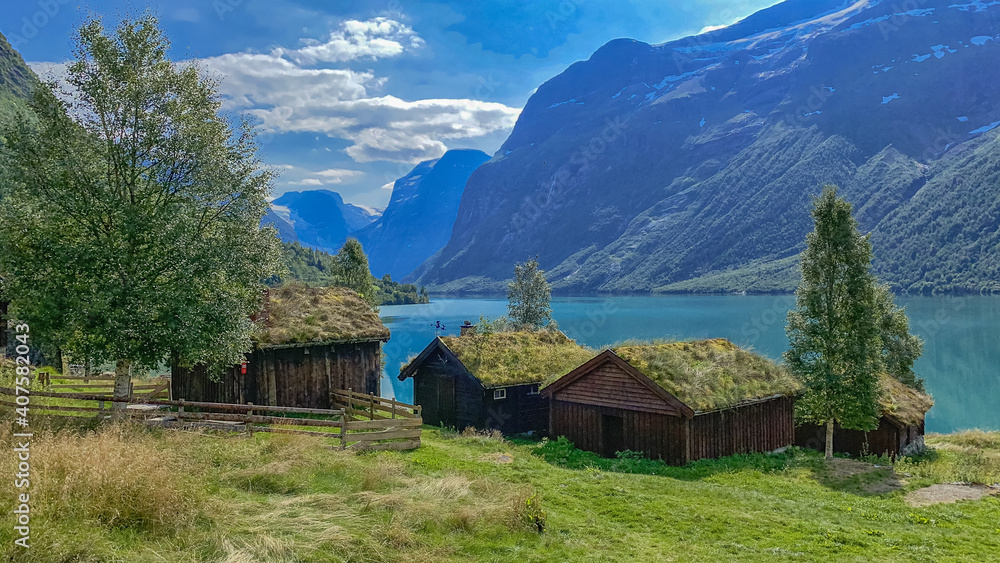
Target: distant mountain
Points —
{"points": [[421, 212], [318, 218], [689, 166]]}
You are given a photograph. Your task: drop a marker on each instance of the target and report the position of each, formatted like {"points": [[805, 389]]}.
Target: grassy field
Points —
{"points": [[125, 493]]}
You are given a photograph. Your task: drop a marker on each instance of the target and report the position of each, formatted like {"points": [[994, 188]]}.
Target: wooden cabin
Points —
{"points": [[312, 341], [677, 402], [490, 381], [900, 429]]}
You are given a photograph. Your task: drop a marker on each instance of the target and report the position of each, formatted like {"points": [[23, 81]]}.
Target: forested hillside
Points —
{"points": [[316, 267]]}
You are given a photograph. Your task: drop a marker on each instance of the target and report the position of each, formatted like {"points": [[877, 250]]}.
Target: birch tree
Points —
{"points": [[129, 220], [834, 330]]}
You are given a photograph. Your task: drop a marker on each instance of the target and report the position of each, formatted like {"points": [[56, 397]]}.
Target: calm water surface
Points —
{"points": [[961, 361]]}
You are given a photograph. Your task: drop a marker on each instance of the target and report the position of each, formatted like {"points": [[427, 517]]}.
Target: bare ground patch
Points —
{"points": [[859, 477], [947, 493]]}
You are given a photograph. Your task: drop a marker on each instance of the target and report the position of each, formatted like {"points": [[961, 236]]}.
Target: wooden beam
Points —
{"points": [[372, 424]]}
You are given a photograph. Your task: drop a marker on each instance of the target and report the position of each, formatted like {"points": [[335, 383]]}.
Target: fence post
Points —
{"points": [[100, 409], [371, 406], [180, 410], [343, 430]]}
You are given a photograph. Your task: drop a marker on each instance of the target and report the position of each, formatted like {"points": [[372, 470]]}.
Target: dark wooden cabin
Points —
{"points": [[607, 405], [900, 429], [494, 386], [313, 341]]}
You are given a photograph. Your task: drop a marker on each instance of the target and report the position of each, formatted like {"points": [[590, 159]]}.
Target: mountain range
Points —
{"points": [[317, 218], [418, 220], [689, 166], [416, 223]]}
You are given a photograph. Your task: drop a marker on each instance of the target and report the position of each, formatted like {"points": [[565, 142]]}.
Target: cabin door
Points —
{"points": [[446, 400], [612, 435]]}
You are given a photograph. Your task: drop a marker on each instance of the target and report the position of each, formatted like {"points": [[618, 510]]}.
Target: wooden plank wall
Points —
{"points": [[659, 436], [299, 377], [607, 385], [521, 411], [887, 439], [757, 427], [446, 395]]}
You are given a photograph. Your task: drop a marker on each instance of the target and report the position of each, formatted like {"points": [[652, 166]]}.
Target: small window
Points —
{"points": [[533, 390], [499, 394]]}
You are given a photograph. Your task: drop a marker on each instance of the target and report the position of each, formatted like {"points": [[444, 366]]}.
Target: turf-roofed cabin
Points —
{"points": [[491, 381], [675, 401], [900, 429], [312, 341]]}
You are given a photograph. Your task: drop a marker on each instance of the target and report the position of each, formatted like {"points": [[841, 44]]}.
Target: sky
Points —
{"points": [[349, 95]]}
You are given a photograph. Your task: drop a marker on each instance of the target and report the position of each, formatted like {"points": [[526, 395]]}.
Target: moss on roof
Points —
{"points": [[709, 374], [902, 402], [299, 314], [513, 358]]}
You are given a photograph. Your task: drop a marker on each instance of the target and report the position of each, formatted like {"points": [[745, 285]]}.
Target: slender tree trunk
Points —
{"points": [[123, 385], [65, 364], [829, 439]]}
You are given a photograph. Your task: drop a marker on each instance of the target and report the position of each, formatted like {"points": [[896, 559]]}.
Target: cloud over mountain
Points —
{"points": [[295, 91]]}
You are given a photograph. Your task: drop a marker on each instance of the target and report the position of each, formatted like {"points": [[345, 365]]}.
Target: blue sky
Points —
{"points": [[352, 94]]}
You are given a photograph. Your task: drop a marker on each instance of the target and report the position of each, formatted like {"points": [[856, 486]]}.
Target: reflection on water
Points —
{"points": [[961, 361]]}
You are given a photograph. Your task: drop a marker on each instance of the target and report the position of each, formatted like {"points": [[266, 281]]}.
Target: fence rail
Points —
{"points": [[157, 388], [373, 407], [400, 430]]}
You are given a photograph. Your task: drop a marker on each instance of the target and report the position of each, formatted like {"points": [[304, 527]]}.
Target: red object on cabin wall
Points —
{"points": [[243, 367]]}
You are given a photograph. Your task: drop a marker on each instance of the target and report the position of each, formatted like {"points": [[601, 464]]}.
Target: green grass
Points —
{"points": [[511, 358], [709, 374], [131, 494]]}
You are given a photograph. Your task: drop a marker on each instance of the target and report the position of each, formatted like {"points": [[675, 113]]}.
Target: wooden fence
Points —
{"points": [[371, 406], [157, 388], [383, 433]]}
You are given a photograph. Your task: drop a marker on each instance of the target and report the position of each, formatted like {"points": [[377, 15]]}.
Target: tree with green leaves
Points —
{"points": [[900, 349], [129, 221], [353, 271], [834, 332], [529, 296]]}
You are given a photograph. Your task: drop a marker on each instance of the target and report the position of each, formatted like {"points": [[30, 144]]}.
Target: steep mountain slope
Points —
{"points": [[16, 79], [285, 230], [690, 165], [319, 218], [420, 215]]}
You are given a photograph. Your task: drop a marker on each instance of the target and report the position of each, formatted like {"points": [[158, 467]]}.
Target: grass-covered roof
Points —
{"points": [[902, 402], [709, 374], [299, 314], [512, 358]]}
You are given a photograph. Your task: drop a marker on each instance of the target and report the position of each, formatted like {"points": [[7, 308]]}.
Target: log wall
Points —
{"points": [[758, 427], [294, 377]]}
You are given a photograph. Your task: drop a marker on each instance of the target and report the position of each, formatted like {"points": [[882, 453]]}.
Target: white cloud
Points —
{"points": [[287, 96], [373, 39], [306, 182], [389, 186], [337, 175]]}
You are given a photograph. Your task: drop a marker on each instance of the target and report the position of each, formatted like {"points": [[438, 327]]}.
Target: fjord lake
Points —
{"points": [[960, 364]]}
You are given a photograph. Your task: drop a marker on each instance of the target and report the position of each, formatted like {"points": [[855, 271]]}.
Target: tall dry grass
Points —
{"points": [[118, 477]]}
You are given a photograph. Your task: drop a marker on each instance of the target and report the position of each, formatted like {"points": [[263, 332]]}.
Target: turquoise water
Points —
{"points": [[961, 361]]}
